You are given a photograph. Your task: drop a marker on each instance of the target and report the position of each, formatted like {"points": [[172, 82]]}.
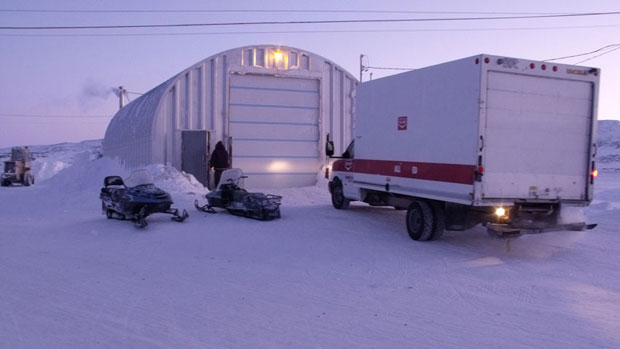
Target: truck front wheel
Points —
{"points": [[420, 221], [338, 199]]}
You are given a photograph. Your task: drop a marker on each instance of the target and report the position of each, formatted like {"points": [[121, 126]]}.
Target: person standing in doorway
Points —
{"points": [[219, 161]]}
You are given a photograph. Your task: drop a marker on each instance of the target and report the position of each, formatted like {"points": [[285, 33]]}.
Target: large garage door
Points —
{"points": [[537, 137], [274, 126]]}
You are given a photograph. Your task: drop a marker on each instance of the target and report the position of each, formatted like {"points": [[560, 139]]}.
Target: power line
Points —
{"points": [[602, 54], [54, 116], [220, 24], [317, 31], [584, 54], [278, 11]]}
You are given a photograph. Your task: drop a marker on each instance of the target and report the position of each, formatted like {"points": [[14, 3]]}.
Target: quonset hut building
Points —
{"points": [[272, 106]]}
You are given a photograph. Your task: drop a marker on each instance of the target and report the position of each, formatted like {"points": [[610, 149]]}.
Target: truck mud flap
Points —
{"points": [[507, 231]]}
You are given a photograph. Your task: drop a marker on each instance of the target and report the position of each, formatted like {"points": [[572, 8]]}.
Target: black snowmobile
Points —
{"points": [[137, 200], [230, 195]]}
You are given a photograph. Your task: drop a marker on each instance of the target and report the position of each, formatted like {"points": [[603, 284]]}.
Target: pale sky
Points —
{"points": [[49, 73]]}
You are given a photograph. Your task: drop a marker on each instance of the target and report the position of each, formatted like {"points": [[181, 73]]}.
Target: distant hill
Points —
{"points": [[608, 142]]}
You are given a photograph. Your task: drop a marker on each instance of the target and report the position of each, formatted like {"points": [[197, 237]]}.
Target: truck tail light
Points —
{"points": [[478, 174], [555, 68], [593, 174], [543, 67]]}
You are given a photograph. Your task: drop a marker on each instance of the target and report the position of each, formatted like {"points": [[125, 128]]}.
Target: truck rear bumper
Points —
{"points": [[508, 231]]}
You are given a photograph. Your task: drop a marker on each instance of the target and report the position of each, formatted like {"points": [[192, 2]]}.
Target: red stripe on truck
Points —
{"points": [[451, 173]]}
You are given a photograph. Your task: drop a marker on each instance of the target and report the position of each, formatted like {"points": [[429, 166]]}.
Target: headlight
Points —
{"points": [[500, 212]]}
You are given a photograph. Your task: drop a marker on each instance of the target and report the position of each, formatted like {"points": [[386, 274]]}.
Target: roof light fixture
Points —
{"points": [[277, 55]]}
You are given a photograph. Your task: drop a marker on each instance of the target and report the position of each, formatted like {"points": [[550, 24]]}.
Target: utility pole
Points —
{"points": [[361, 66], [121, 96]]}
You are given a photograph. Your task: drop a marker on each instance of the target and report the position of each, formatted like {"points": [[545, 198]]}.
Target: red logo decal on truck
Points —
{"points": [[402, 123], [348, 165]]}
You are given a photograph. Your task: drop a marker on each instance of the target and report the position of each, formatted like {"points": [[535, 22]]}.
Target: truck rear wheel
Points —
{"points": [[439, 215], [420, 221], [338, 199]]}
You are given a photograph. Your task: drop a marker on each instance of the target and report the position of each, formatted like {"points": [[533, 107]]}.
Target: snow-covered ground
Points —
{"points": [[316, 278]]}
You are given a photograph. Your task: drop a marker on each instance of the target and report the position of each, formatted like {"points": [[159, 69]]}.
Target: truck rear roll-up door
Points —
{"points": [[537, 137]]}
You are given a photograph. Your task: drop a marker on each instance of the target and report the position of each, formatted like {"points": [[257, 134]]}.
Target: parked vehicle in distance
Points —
{"points": [[17, 170], [504, 142]]}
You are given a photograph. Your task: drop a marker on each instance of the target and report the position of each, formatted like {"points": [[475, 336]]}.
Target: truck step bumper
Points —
{"points": [[508, 231]]}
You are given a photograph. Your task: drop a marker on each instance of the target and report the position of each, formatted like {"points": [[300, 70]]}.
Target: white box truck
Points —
{"points": [[504, 142]]}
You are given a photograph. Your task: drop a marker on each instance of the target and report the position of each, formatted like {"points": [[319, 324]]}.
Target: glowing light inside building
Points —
{"points": [[279, 166]]}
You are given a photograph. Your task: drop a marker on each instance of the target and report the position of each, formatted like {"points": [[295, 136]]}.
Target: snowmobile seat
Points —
{"points": [[114, 182]]}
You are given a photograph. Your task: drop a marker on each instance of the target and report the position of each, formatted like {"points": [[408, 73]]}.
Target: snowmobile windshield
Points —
{"points": [[138, 177]]}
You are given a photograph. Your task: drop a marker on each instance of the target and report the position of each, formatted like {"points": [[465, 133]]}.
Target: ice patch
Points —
{"points": [[485, 262]]}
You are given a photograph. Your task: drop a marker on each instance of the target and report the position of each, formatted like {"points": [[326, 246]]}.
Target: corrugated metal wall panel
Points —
{"points": [[302, 131], [196, 121]]}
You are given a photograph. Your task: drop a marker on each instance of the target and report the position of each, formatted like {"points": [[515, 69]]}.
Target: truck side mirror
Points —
{"points": [[329, 147]]}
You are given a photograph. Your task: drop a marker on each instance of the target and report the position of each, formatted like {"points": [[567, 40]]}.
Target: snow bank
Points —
{"points": [[52, 159], [172, 180], [87, 174], [83, 167], [84, 174], [44, 170]]}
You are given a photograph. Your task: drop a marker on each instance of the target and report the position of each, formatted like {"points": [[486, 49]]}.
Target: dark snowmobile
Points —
{"points": [[230, 195], [137, 200]]}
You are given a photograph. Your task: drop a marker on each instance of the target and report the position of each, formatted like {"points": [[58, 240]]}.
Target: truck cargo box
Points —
{"points": [[480, 130]]}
